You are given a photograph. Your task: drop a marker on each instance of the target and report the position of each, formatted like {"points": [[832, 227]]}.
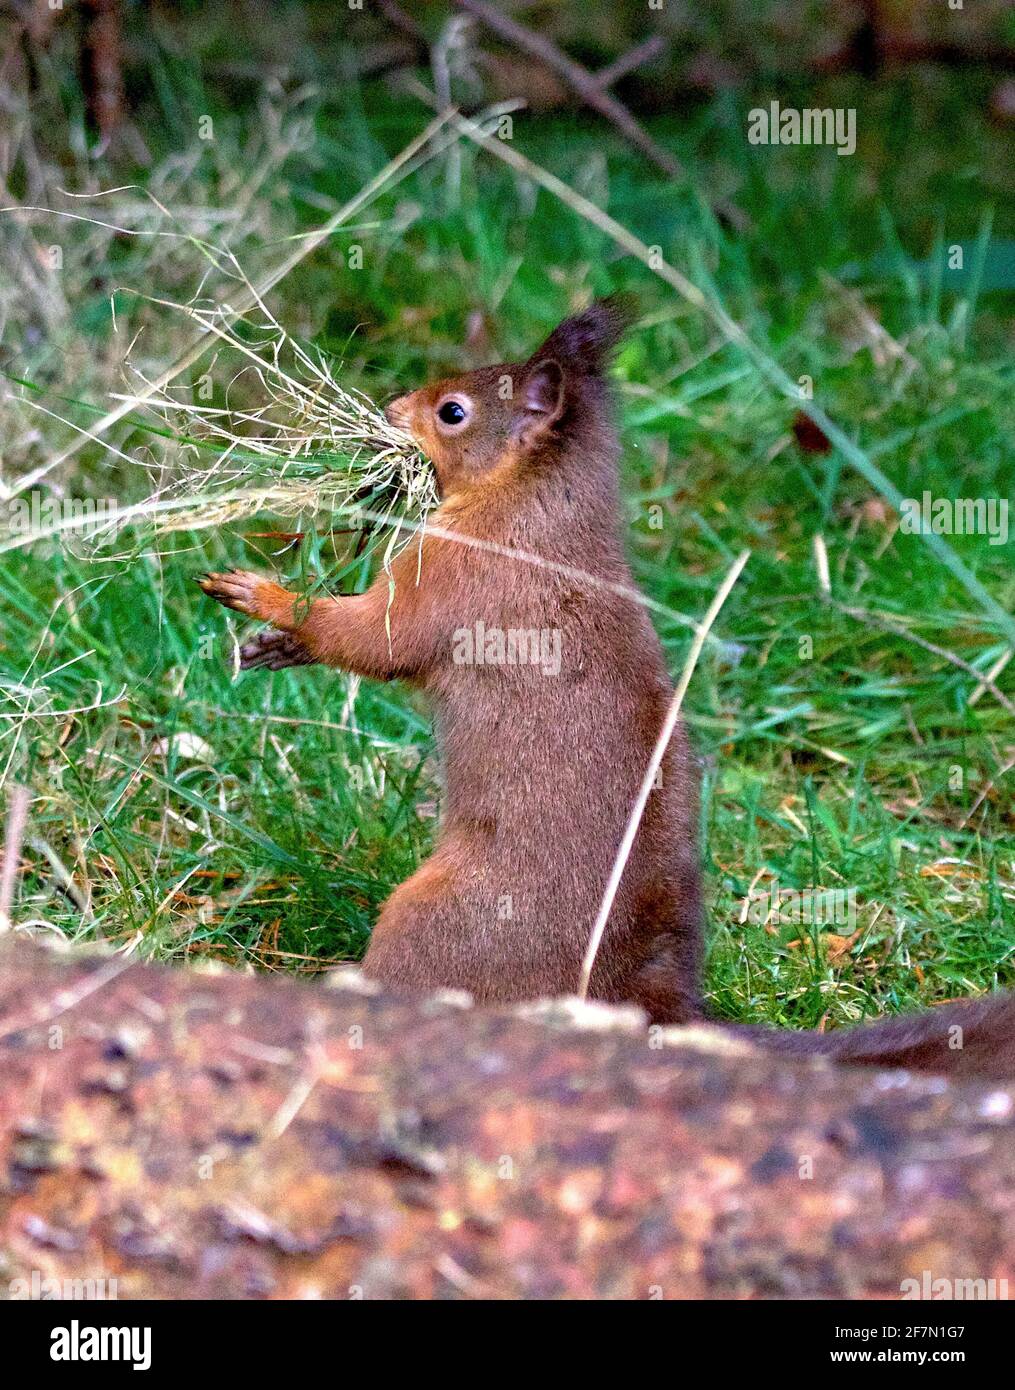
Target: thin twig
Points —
{"points": [[627, 62], [404, 23], [10, 857], [648, 781], [592, 92]]}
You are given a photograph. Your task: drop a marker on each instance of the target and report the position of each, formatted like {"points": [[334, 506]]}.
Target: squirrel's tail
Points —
{"points": [[971, 1038]]}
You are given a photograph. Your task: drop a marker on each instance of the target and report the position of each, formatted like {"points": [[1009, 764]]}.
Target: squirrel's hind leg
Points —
{"points": [[424, 938]]}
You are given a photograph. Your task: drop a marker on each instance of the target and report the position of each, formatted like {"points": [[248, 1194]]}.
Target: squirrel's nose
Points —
{"points": [[396, 413]]}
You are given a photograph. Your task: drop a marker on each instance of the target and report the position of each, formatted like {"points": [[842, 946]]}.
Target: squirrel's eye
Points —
{"points": [[451, 413]]}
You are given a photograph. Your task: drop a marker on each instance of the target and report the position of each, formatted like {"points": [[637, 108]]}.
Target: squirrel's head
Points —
{"points": [[469, 425]]}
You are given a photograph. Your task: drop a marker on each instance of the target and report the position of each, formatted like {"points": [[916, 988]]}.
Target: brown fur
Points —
{"points": [[541, 769]]}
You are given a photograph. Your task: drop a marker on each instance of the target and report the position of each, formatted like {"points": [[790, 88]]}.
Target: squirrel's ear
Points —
{"points": [[542, 400], [586, 341]]}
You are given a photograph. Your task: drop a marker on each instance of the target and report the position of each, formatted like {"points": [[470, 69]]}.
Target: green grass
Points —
{"points": [[863, 766]]}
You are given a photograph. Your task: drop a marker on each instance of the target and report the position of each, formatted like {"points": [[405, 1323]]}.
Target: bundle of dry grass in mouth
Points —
{"points": [[296, 443]]}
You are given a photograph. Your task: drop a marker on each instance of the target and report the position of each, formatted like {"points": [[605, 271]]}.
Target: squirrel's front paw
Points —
{"points": [[275, 650], [235, 589], [249, 593]]}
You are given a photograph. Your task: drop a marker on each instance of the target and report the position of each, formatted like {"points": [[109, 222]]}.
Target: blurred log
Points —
{"points": [[191, 1135]]}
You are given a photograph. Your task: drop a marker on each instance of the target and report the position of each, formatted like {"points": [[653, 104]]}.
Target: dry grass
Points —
{"points": [[311, 445]]}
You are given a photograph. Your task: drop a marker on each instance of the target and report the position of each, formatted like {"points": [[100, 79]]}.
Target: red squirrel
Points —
{"points": [[549, 689]]}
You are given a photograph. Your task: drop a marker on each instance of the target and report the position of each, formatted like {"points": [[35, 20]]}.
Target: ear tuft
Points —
{"points": [[586, 341]]}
